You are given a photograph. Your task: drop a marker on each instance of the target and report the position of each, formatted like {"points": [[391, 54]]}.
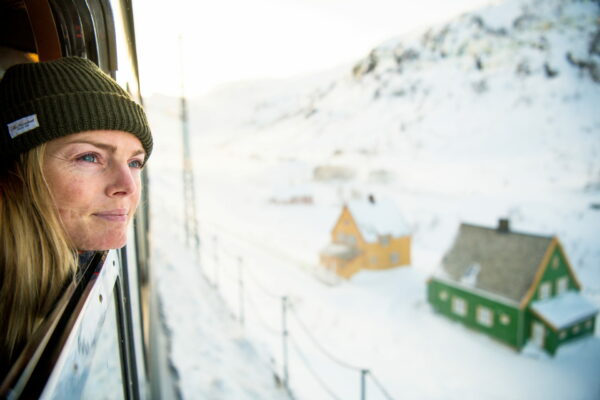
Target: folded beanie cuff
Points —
{"points": [[45, 101], [65, 114]]}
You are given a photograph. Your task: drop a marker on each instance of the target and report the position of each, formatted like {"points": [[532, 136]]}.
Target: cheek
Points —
{"points": [[70, 194]]}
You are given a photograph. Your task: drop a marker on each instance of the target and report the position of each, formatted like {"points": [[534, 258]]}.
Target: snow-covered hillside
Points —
{"points": [[491, 115], [501, 103]]}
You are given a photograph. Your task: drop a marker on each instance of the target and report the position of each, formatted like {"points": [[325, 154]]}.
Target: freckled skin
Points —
{"points": [[95, 179]]}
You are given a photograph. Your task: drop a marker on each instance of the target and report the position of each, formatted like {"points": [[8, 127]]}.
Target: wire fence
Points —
{"points": [[248, 286]]}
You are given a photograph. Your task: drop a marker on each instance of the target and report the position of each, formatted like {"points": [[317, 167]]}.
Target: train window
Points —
{"points": [[105, 373], [95, 345], [91, 354], [75, 29]]}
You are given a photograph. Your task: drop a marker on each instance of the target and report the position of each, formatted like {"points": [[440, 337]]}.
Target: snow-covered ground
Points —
{"points": [[491, 115]]}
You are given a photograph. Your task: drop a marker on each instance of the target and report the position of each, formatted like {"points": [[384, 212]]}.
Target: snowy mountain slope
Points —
{"points": [[500, 73], [491, 115], [493, 104]]}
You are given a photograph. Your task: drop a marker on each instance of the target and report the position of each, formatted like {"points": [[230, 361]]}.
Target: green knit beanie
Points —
{"points": [[43, 101]]}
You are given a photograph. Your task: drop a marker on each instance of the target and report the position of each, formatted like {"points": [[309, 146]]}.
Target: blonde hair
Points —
{"points": [[36, 259]]}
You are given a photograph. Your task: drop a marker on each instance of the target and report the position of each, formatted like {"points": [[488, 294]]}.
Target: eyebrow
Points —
{"points": [[104, 146]]}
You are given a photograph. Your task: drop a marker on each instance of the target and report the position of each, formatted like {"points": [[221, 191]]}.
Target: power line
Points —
{"points": [[262, 288], [380, 386], [320, 347], [312, 371], [260, 319]]}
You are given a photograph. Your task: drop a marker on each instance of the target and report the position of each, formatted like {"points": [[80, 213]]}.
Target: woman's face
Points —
{"points": [[94, 177]]}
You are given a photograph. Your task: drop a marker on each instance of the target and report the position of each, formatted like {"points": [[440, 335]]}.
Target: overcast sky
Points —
{"points": [[231, 40]]}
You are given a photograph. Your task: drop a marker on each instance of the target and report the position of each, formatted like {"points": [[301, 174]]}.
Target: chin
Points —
{"points": [[103, 243]]}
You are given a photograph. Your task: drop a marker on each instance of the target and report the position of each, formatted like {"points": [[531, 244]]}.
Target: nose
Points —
{"points": [[122, 181]]}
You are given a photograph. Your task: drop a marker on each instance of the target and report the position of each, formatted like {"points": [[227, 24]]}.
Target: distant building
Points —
{"points": [[367, 235], [512, 286]]}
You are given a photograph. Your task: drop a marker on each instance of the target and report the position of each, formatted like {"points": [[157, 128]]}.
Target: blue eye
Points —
{"points": [[136, 164], [92, 158]]}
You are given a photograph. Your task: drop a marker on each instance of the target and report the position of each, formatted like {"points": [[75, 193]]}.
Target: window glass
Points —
{"points": [[485, 316], [544, 291], [104, 380], [459, 306], [394, 258], [562, 284]]}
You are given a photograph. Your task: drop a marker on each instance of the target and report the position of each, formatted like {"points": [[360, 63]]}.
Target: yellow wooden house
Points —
{"points": [[367, 235]]}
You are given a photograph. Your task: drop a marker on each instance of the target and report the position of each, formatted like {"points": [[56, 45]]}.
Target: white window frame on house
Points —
{"points": [[562, 284], [544, 291], [394, 257], [459, 306], [485, 316]]}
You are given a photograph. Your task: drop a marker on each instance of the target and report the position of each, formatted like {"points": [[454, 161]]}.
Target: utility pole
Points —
{"points": [[191, 222]]}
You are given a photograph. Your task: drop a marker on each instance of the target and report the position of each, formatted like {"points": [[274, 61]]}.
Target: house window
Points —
{"points": [[576, 329], [504, 319], [544, 290], [588, 324], [555, 262], [384, 240], [562, 284], [459, 306], [485, 316], [443, 295], [394, 258], [562, 334]]}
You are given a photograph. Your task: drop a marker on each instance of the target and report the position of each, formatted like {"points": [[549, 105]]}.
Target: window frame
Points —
{"points": [[484, 316], [544, 290], [562, 285], [459, 306]]}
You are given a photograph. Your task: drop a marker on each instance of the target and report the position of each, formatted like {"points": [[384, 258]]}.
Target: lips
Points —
{"points": [[117, 215]]}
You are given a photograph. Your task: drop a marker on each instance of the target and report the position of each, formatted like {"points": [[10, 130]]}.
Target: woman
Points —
{"points": [[72, 146]]}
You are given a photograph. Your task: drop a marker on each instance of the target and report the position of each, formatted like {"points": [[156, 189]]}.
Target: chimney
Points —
{"points": [[371, 199], [503, 225]]}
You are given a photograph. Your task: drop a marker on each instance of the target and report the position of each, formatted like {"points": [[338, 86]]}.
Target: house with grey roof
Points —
{"points": [[515, 287], [368, 234]]}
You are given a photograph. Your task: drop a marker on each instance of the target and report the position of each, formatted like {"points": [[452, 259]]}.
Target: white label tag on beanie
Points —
{"points": [[23, 125]]}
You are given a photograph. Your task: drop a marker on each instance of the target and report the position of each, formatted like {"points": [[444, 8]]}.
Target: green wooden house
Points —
{"points": [[515, 287]]}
